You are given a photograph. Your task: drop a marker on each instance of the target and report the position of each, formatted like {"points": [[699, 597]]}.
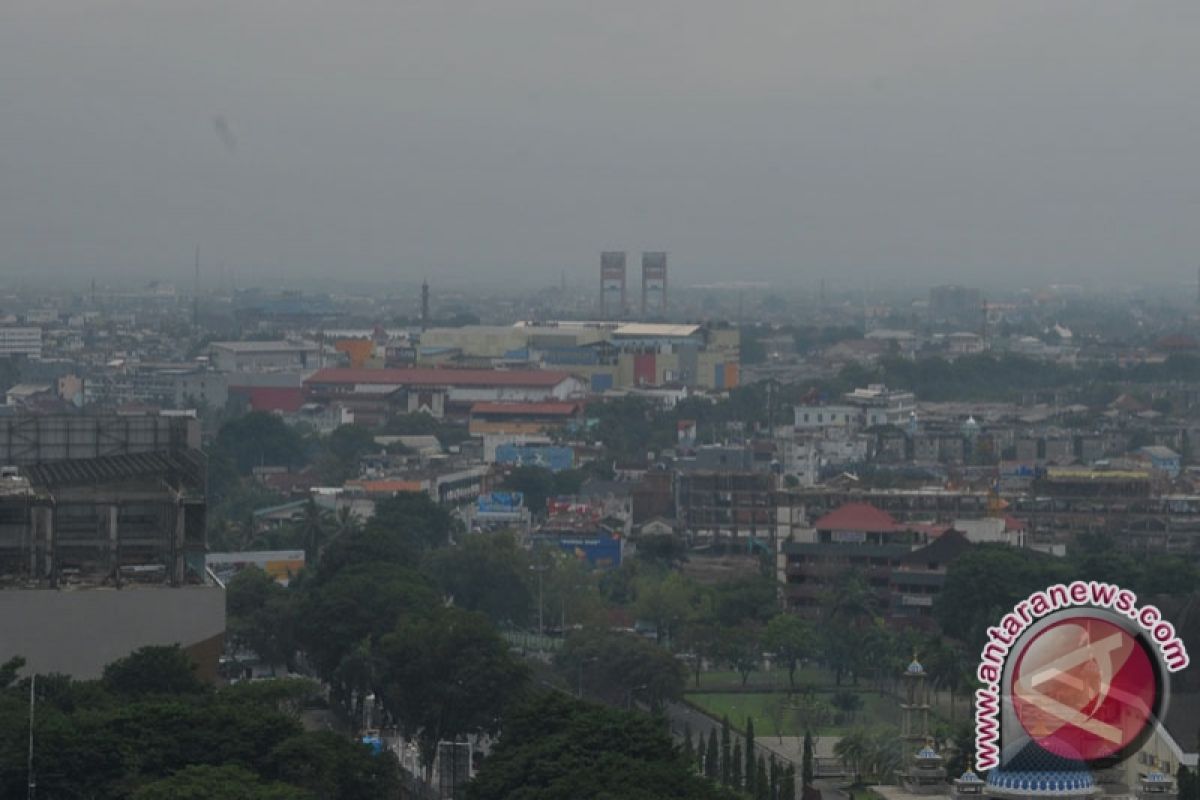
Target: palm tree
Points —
{"points": [[849, 607], [852, 750]]}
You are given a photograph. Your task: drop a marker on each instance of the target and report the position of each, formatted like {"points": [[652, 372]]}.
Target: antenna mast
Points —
{"points": [[196, 292]]}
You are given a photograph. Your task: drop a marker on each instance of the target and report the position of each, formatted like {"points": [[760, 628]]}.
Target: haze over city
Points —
{"points": [[992, 143]]}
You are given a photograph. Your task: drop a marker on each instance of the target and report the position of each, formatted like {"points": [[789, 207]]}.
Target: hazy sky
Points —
{"points": [[958, 139]]}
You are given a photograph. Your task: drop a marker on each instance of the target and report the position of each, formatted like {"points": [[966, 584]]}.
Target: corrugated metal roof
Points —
{"points": [[653, 329], [438, 377], [530, 409]]}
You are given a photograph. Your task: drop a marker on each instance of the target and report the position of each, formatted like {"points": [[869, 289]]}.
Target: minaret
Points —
{"points": [[914, 726]]}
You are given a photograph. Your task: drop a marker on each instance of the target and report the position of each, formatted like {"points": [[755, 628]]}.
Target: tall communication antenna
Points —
{"points": [[425, 303]]}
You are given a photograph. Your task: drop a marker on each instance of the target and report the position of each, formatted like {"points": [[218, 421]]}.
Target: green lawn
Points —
{"points": [[773, 717], [775, 679]]}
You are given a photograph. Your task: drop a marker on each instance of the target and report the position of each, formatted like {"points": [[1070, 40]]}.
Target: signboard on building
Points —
{"points": [[599, 550], [555, 458], [500, 502]]}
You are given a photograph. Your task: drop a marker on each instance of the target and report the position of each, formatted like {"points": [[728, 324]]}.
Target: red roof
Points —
{"points": [[857, 517], [1011, 523], [520, 409], [438, 377], [273, 398]]}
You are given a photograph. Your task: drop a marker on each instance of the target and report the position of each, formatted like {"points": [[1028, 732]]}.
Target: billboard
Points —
{"points": [[555, 458], [598, 550], [500, 502]]}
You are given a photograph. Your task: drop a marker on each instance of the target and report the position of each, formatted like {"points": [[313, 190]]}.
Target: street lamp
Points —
{"points": [[540, 569]]}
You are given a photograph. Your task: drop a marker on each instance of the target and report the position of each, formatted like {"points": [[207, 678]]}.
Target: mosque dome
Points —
{"points": [[1035, 771]]}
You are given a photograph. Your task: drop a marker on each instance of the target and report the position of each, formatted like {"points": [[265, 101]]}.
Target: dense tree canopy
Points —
{"points": [[555, 747], [140, 734], [488, 574], [447, 674]]}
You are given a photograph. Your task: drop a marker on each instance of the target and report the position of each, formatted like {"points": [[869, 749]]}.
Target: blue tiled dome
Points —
{"points": [[1157, 777], [970, 777], [915, 668], [927, 752], [1035, 770]]}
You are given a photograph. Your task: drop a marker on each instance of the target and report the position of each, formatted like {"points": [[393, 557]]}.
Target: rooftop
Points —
{"points": [[857, 517], [266, 347], [438, 377], [655, 329], [518, 409]]}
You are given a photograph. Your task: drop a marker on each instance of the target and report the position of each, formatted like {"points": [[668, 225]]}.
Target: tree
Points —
{"points": [[620, 664], [761, 785], [555, 747], [787, 789], [986, 581], [664, 602], [284, 695], [341, 451], [807, 763], [419, 522], [742, 650], [662, 551], [790, 638], [848, 703], [9, 671], [228, 782], [153, 670], [726, 752], [313, 526], [750, 773], [330, 765], [536, 483], [259, 439], [485, 574], [852, 750], [745, 601], [447, 674], [1187, 784], [849, 607], [703, 641], [360, 602], [735, 766], [689, 748], [261, 616], [712, 757]]}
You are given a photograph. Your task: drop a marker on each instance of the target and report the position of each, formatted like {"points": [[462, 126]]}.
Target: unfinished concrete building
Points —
{"points": [[101, 501], [102, 542]]}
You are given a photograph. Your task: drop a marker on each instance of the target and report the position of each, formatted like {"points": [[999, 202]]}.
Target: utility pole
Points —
{"points": [[540, 569], [29, 768]]}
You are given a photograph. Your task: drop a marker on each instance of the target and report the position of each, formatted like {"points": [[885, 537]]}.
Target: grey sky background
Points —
{"points": [[992, 142]]}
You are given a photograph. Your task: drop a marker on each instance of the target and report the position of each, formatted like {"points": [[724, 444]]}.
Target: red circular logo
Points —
{"points": [[1084, 688]]}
